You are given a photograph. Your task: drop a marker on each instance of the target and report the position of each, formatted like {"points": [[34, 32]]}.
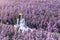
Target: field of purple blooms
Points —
{"points": [[7, 33], [44, 15]]}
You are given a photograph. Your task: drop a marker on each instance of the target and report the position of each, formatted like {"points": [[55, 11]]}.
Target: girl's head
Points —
{"points": [[20, 16]]}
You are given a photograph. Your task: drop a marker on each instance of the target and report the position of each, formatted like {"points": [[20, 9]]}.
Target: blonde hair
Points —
{"points": [[20, 14]]}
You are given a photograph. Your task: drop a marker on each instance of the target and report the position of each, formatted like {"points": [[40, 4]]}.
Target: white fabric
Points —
{"points": [[22, 26]]}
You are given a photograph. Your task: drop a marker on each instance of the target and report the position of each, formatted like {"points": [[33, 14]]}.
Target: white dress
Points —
{"points": [[23, 26]]}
